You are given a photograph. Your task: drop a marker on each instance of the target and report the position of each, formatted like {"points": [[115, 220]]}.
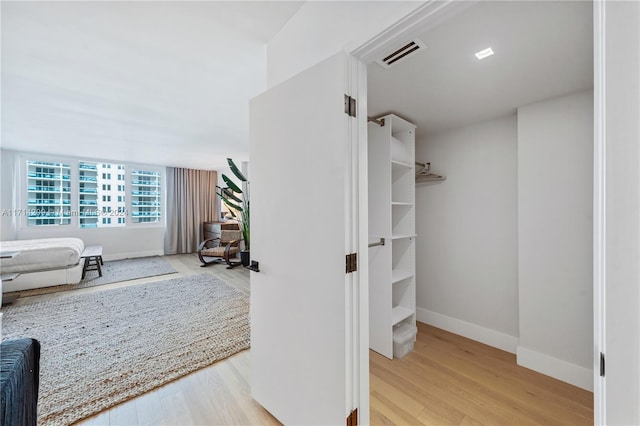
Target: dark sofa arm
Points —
{"points": [[19, 381]]}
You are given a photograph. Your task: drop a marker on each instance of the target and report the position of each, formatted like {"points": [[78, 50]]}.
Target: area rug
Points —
{"points": [[112, 272], [103, 348]]}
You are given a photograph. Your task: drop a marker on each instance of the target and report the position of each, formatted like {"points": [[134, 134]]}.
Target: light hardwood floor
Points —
{"points": [[451, 380], [446, 380]]}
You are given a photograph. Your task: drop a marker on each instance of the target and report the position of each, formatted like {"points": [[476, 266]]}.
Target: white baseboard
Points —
{"points": [[556, 368], [476, 332], [130, 255]]}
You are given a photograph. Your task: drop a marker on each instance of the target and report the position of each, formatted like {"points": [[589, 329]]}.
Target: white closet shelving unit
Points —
{"points": [[392, 282]]}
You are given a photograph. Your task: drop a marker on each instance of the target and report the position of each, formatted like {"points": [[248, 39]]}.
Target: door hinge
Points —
{"points": [[352, 262], [349, 106], [601, 364], [352, 419]]}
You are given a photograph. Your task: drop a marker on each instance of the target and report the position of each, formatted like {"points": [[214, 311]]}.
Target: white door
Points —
{"points": [[303, 192]]}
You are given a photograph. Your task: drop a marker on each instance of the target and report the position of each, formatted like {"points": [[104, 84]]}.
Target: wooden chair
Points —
{"points": [[223, 248]]}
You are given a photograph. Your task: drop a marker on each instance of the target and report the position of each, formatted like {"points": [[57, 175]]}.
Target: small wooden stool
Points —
{"points": [[92, 256]]}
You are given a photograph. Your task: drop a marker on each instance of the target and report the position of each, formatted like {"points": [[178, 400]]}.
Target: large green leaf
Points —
{"points": [[231, 184], [235, 170], [238, 205], [232, 205], [229, 194], [226, 193]]}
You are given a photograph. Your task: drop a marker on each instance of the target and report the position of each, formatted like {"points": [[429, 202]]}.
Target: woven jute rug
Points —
{"points": [[112, 272], [103, 348]]}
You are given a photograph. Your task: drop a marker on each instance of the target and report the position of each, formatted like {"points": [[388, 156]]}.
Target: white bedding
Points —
{"points": [[41, 254]]}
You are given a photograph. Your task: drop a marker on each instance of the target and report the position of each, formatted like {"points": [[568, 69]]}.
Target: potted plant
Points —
{"points": [[237, 199]]}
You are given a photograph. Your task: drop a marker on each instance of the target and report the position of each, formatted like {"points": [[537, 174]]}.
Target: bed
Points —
{"points": [[41, 262]]}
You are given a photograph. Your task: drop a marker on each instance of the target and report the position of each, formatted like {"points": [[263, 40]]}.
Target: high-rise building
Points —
{"points": [[87, 195], [145, 193], [49, 193], [101, 195]]}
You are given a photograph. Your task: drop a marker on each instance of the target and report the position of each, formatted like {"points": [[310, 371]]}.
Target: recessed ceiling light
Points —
{"points": [[484, 53]]}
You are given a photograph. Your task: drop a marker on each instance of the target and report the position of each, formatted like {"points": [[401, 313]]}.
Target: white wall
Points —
{"points": [[467, 276], [622, 226], [117, 243], [322, 28], [7, 194], [504, 249], [555, 222]]}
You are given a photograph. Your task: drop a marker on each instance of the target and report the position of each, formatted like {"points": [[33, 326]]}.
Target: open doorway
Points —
{"points": [[504, 244]]}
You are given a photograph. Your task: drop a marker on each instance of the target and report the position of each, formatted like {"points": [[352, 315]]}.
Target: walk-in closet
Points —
{"points": [[480, 184]]}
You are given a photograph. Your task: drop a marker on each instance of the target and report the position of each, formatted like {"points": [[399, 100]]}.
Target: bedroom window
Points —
{"points": [[95, 195], [104, 194], [48, 193], [145, 196]]}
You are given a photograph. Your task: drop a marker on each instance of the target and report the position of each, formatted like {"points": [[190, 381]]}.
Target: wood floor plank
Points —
{"points": [[239, 389], [433, 417], [434, 393], [126, 415], [463, 346], [519, 376], [391, 411], [101, 419], [176, 408], [469, 421], [224, 404], [399, 398], [434, 411], [379, 419], [149, 407], [528, 394], [478, 384]]}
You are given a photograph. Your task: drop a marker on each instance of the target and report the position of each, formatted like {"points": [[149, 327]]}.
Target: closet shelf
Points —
{"points": [[401, 165], [392, 212], [399, 314], [397, 276], [402, 236]]}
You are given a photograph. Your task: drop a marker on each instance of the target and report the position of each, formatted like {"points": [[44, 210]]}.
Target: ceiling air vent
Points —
{"points": [[402, 53]]}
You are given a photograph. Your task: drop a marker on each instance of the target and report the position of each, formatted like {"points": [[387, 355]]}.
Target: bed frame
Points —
{"points": [[45, 278]]}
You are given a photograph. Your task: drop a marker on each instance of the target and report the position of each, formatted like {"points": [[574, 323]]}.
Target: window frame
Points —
{"points": [[21, 211], [73, 162], [163, 193]]}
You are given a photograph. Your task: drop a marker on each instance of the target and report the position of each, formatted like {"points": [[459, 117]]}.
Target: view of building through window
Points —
{"points": [[106, 196], [48, 193], [101, 201], [145, 194]]}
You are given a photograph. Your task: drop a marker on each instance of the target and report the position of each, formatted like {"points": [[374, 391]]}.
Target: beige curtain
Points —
{"points": [[191, 200]]}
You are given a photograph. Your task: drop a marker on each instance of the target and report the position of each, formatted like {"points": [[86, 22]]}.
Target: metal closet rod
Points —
{"points": [[378, 121], [425, 175], [378, 243]]}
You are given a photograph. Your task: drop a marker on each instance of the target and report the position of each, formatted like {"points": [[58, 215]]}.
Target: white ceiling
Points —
{"points": [[152, 82], [169, 82], [542, 50]]}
